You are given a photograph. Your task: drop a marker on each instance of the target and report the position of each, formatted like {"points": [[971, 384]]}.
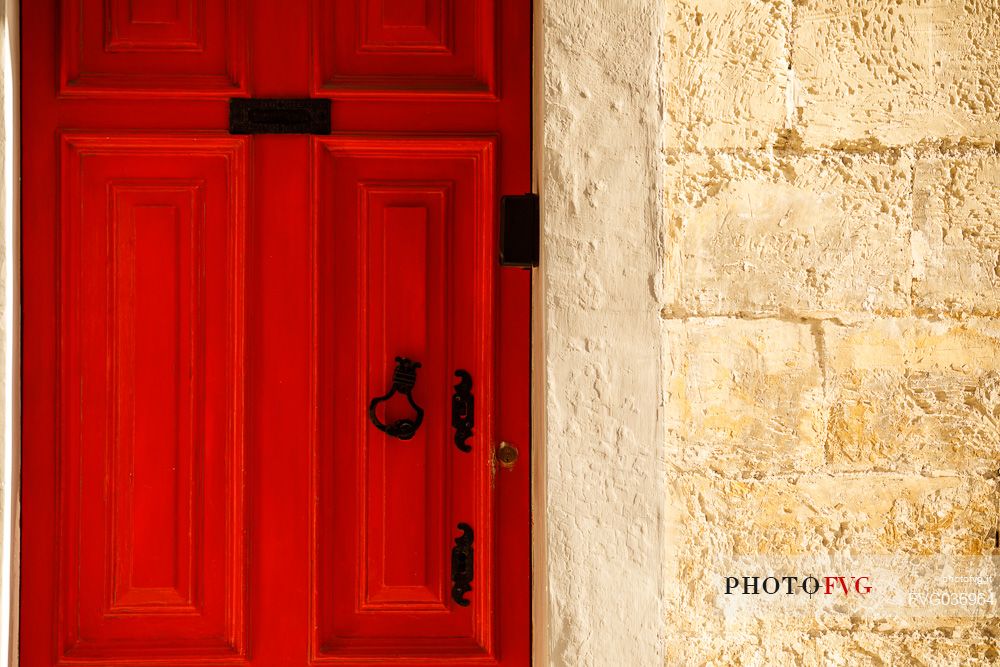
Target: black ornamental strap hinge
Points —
{"points": [[462, 565], [519, 230], [279, 116], [463, 410]]}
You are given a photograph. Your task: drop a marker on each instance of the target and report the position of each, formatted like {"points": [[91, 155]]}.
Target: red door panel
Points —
{"points": [[405, 267], [152, 47], [207, 318], [151, 386], [403, 47]]}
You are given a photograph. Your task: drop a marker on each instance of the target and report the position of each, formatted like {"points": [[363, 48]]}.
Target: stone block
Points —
{"points": [[914, 395], [743, 397], [816, 235], [726, 72], [857, 517], [956, 233], [864, 513], [897, 72]]}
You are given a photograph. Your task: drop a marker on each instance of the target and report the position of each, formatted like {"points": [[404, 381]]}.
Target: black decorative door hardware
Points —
{"points": [[279, 116], [403, 380], [463, 410], [462, 565], [519, 230]]}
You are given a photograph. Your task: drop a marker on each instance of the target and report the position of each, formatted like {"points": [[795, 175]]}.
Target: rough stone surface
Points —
{"points": [[849, 647], [726, 71], [809, 234], [864, 513], [956, 232], [813, 297], [604, 504], [727, 404], [804, 515], [898, 71], [914, 395]]}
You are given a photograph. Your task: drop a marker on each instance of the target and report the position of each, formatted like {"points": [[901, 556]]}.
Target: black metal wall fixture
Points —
{"points": [[463, 415], [279, 116], [462, 565], [520, 223]]}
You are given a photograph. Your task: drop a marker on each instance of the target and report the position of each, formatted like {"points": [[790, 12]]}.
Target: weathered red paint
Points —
{"points": [[207, 316]]}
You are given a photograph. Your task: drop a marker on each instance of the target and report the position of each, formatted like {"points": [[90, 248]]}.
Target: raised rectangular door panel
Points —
{"points": [[131, 48], [408, 48], [151, 520], [155, 25], [404, 267]]}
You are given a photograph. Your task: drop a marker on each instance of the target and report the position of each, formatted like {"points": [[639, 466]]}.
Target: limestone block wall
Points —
{"points": [[771, 314]]}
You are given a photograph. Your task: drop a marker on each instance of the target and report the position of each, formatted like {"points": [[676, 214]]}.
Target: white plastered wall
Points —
{"points": [[600, 500]]}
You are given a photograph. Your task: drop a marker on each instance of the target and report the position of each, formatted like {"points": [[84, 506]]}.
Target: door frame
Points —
{"points": [[538, 428], [10, 346], [10, 337]]}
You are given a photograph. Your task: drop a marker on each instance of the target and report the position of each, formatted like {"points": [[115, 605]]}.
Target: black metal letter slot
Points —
{"points": [[279, 116]]}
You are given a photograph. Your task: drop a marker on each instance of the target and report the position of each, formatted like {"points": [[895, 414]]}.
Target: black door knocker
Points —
{"points": [[403, 379]]}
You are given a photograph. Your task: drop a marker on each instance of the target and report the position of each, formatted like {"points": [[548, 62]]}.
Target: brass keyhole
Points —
{"points": [[507, 455]]}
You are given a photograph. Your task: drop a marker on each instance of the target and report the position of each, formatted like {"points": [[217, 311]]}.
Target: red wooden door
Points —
{"points": [[207, 317]]}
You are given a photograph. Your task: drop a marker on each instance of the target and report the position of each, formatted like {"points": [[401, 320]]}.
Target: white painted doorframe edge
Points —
{"points": [[539, 542], [10, 495]]}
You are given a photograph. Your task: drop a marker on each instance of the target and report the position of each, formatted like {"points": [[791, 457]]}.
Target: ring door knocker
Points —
{"points": [[403, 379]]}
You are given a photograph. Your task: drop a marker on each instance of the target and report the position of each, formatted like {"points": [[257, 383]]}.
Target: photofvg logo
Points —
{"points": [[879, 586], [788, 585]]}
